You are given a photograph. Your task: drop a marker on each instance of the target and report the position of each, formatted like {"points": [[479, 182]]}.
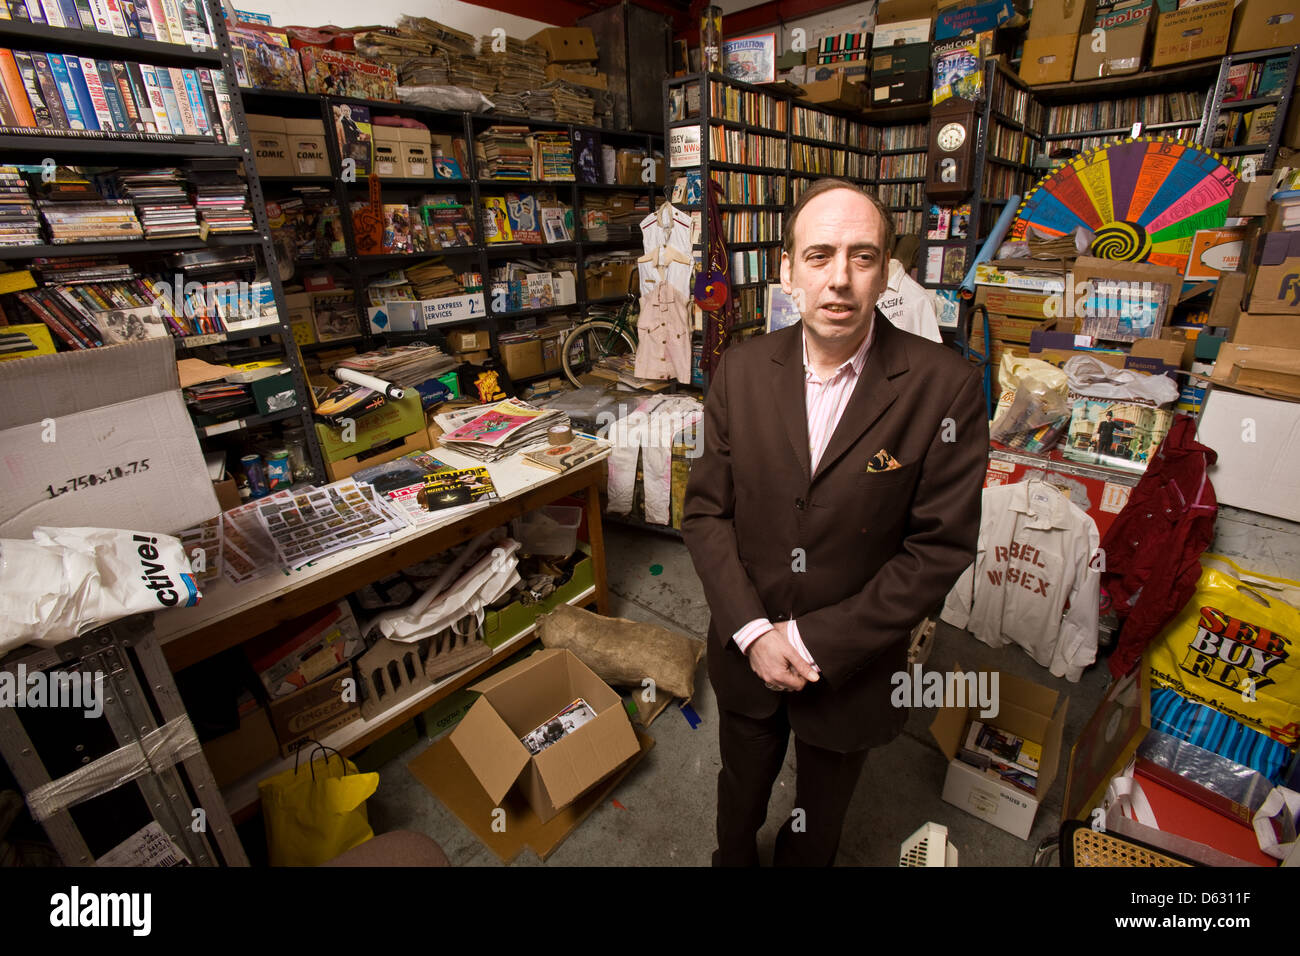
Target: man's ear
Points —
{"points": [[786, 285]]}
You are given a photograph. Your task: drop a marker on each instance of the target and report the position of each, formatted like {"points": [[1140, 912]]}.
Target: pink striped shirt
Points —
{"points": [[825, 402]]}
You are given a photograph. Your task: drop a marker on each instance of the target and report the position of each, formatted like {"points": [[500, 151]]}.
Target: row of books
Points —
{"points": [[1119, 113], [835, 129], [1009, 144], [749, 149], [69, 95], [1245, 127], [740, 106], [1248, 81], [902, 166], [20, 224], [182, 22], [306, 226], [752, 226], [901, 194], [409, 229], [907, 221], [526, 218], [907, 136], [1003, 181], [755, 265], [1011, 100]]}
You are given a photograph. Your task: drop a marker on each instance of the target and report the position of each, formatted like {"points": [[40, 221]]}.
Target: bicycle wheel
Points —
{"points": [[590, 342]]}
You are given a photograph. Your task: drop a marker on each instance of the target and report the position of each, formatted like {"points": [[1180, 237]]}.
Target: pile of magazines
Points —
{"points": [[498, 430]]}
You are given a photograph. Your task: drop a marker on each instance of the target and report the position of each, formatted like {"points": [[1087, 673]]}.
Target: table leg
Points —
{"points": [[597, 535]]}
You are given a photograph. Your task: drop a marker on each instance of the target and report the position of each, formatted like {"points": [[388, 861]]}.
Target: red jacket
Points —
{"points": [[1152, 549]]}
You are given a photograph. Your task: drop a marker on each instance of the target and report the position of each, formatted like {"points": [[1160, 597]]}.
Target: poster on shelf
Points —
{"points": [[750, 59], [684, 147]]}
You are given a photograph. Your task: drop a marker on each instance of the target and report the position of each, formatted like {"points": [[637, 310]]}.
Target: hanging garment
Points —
{"points": [[667, 226], [907, 304], [648, 434], [663, 330], [1152, 548], [1034, 581]]}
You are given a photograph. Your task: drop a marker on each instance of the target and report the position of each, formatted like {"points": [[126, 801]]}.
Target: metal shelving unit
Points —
{"points": [[1217, 105], [70, 146]]}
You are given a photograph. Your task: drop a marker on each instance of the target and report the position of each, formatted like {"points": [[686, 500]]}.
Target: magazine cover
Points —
{"points": [[353, 129], [957, 70], [267, 60], [494, 426], [559, 458], [335, 314], [1117, 434], [781, 308], [525, 217], [959, 227], [750, 59], [937, 223], [444, 168], [553, 225], [954, 265], [496, 221], [397, 228], [586, 156], [541, 290], [452, 489], [335, 73]]}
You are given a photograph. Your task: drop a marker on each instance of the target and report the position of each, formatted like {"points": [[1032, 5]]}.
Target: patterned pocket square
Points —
{"points": [[882, 461]]}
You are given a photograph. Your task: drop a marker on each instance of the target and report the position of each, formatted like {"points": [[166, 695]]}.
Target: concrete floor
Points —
{"points": [[667, 817]]}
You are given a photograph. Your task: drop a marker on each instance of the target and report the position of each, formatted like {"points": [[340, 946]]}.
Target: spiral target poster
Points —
{"points": [[1143, 199]]}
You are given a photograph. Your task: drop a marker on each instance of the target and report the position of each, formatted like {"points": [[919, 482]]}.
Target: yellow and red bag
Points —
{"points": [[1233, 647]]}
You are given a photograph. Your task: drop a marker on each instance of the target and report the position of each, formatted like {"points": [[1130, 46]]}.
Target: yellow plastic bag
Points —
{"points": [[1232, 647], [316, 811]]}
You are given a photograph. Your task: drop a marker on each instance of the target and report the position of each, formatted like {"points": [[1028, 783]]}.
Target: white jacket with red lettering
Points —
{"points": [[1035, 580]]}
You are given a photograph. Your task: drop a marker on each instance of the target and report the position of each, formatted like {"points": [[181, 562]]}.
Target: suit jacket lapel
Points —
{"points": [[791, 403], [871, 397]]}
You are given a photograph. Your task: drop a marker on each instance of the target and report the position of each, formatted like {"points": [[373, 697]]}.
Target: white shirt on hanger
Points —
{"points": [[666, 226], [907, 304], [1034, 581]]}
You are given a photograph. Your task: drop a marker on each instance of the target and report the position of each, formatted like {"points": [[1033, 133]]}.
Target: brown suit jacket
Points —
{"points": [[879, 549]]}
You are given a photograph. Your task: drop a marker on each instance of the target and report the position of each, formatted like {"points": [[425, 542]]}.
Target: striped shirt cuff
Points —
{"points": [[750, 633], [792, 634]]}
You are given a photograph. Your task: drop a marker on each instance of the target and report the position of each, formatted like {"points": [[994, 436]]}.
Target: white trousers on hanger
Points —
{"points": [[647, 434]]}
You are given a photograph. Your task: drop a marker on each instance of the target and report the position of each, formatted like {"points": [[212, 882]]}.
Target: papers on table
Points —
{"points": [[319, 521], [496, 431]]}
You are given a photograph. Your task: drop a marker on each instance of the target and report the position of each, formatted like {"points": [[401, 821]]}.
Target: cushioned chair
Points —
{"points": [[399, 848]]}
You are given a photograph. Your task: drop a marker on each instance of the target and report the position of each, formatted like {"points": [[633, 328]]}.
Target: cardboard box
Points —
{"points": [[240, 752], [1251, 198], [275, 393], [908, 58], [1058, 18], [1125, 47], [1048, 59], [1198, 32], [612, 277], [972, 18], [1265, 24], [1282, 331], [306, 139], [301, 319], [270, 145], [378, 455], [1263, 475], [522, 359], [305, 649], [387, 152], [227, 492], [1225, 305], [473, 358], [1026, 709], [856, 71], [902, 88], [1273, 281], [391, 421], [417, 160], [521, 698], [1259, 369], [566, 44], [314, 711], [468, 340], [99, 433], [597, 81]]}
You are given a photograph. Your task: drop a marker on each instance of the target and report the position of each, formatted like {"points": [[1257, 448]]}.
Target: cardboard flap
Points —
{"points": [[584, 757], [53, 386], [490, 749], [494, 681]]}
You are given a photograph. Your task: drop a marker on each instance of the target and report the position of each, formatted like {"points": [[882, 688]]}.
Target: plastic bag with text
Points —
{"points": [[66, 581], [1232, 648]]}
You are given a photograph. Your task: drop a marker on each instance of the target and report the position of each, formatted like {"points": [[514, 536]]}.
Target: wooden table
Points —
{"points": [[231, 614]]}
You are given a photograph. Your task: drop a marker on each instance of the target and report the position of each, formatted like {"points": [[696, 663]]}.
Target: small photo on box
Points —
{"points": [[1116, 434], [565, 722]]}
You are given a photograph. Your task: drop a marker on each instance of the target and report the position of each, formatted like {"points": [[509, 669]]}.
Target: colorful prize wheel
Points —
{"points": [[1143, 199]]}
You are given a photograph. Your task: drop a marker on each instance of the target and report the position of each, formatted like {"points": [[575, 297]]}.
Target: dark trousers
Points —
{"points": [[752, 753]]}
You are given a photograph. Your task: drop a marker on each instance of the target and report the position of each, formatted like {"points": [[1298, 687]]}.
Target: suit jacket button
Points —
{"points": [[800, 503]]}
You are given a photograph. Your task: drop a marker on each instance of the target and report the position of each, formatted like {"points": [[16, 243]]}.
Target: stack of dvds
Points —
{"points": [[161, 200], [101, 221], [81, 269], [19, 223], [506, 152], [222, 202]]}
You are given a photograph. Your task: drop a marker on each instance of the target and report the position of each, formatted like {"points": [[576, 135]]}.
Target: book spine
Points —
{"points": [[131, 19], [103, 21], [71, 15], [77, 319], [122, 83], [135, 79], [116, 108], [81, 87], [222, 91], [209, 97], [170, 101], [172, 14], [156, 105], [8, 117], [195, 96], [34, 12], [183, 101], [27, 69], [144, 19], [116, 23], [55, 326], [17, 10], [84, 14], [71, 108], [12, 77], [193, 23], [53, 13], [50, 90], [159, 21]]}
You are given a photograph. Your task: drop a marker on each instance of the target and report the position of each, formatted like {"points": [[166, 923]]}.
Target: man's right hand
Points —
{"points": [[777, 663]]}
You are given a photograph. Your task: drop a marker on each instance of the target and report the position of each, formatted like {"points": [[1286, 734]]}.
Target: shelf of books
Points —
{"points": [[126, 213], [1241, 118]]}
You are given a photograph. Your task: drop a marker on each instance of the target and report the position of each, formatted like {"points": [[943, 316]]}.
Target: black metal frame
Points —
{"points": [[1216, 106]]}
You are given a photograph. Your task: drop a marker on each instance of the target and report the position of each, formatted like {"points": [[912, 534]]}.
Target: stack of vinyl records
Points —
{"points": [[520, 68], [562, 102], [161, 200], [553, 157], [222, 202], [431, 279], [101, 221], [466, 69], [506, 152], [407, 365], [19, 223], [220, 399]]}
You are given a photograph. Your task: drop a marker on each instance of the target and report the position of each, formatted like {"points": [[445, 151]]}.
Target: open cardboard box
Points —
{"points": [[1259, 369], [1026, 709], [1262, 475], [521, 698]]}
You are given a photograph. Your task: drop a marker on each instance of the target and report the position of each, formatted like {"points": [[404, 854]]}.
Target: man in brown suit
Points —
{"points": [[836, 502]]}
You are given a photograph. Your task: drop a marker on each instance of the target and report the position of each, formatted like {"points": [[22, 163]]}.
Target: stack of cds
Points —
{"points": [[162, 202], [222, 202], [19, 223]]}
